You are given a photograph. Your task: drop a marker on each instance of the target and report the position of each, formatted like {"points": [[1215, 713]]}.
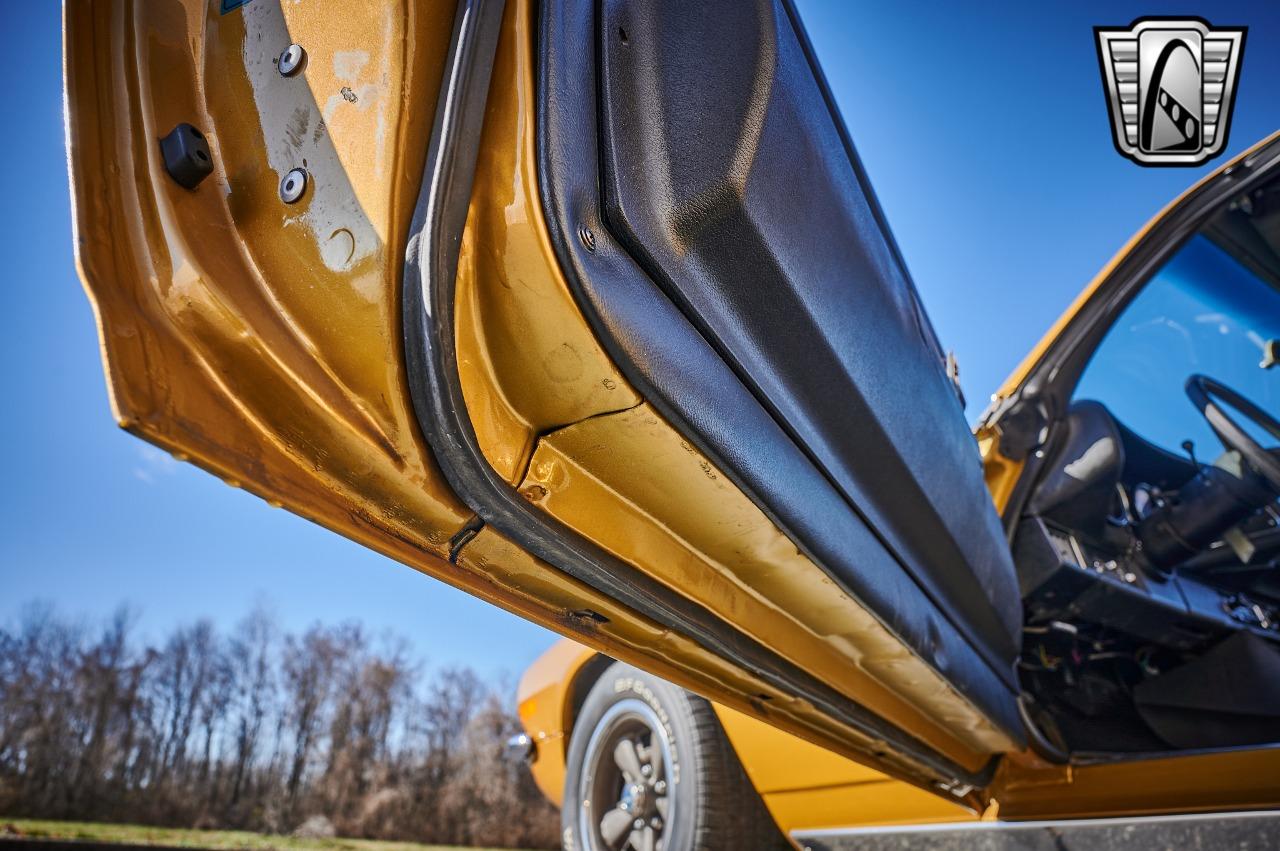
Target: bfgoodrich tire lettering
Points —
{"points": [[650, 769]]}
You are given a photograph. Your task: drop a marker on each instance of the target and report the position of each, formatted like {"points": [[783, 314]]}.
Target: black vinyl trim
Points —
{"points": [[927, 331], [429, 275], [818, 426], [680, 373]]}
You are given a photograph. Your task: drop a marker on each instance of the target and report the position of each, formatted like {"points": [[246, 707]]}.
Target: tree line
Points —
{"points": [[332, 729]]}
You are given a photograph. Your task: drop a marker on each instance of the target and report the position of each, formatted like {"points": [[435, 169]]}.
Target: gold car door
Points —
{"points": [[590, 312]]}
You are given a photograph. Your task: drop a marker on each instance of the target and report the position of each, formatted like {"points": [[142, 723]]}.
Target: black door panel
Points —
{"points": [[739, 270]]}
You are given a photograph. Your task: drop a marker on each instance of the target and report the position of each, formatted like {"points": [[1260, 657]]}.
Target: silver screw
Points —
{"points": [[291, 60], [293, 185], [638, 824]]}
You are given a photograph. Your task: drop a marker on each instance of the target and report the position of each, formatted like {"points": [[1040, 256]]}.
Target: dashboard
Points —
{"points": [[1065, 578], [1151, 595]]}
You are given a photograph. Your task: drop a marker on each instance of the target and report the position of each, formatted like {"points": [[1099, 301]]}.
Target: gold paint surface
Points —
{"points": [[527, 360], [865, 805], [806, 787], [1001, 474], [621, 634], [777, 762], [234, 333], [634, 486], [1245, 779]]}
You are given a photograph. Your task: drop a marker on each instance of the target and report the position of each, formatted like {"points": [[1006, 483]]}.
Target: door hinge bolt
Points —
{"points": [[293, 185], [291, 60]]}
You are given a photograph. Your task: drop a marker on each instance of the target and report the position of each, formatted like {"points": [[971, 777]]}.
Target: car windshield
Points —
{"points": [[1204, 312]]}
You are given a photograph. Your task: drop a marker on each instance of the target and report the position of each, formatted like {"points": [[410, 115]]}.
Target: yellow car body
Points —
{"points": [[263, 341], [210, 337], [805, 787]]}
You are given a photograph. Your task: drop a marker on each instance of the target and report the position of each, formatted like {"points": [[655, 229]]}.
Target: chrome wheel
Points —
{"points": [[626, 805]]}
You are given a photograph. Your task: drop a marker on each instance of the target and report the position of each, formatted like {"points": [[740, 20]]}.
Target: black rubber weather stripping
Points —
{"points": [[429, 276]]}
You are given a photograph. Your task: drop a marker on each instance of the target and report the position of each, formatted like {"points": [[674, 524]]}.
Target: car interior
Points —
{"points": [[1147, 552]]}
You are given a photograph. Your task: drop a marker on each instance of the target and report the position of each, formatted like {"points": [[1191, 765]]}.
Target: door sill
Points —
{"points": [[1213, 830]]}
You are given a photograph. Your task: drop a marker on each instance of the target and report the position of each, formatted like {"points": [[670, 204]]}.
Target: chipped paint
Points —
{"points": [[297, 134], [347, 64]]}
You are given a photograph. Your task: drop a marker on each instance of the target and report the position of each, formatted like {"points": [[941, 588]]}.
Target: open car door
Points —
{"points": [[585, 308]]}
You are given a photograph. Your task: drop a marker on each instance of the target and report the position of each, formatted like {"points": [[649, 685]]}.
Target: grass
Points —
{"points": [[217, 840]]}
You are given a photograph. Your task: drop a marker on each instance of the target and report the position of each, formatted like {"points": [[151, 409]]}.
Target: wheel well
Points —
{"points": [[583, 679]]}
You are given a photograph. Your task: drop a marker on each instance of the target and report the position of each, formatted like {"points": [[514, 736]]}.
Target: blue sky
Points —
{"points": [[984, 131]]}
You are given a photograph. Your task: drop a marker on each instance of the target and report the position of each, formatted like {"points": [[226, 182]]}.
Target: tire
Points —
{"points": [[642, 748]]}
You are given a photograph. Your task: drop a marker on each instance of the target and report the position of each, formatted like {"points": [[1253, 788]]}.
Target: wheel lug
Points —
{"points": [[646, 770], [638, 824], [655, 823], [660, 787]]}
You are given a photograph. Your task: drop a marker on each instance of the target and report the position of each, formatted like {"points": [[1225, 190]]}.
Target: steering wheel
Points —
{"points": [[1205, 393]]}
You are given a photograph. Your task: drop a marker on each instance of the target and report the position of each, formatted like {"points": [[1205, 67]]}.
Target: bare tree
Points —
{"points": [[257, 730], [252, 678], [309, 668]]}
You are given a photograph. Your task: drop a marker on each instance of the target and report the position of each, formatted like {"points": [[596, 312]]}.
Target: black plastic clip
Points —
{"points": [[186, 155]]}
